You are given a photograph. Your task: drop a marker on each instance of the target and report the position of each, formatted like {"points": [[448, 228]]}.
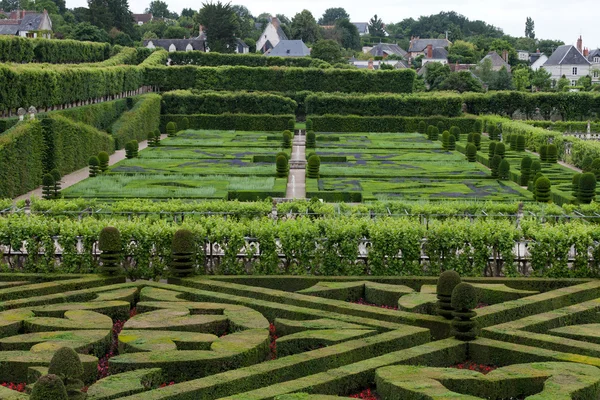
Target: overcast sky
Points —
{"points": [[554, 19]]}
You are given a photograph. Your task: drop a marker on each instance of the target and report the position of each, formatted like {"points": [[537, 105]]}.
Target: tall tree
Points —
{"points": [[503, 80], [521, 79], [348, 33], [462, 81], [188, 12], [327, 50], [304, 26], [530, 28], [463, 53], [435, 74], [107, 14], [159, 9], [376, 27], [245, 20], [541, 79], [220, 24], [332, 15]]}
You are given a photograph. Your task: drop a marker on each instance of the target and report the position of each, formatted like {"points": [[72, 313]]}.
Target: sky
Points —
{"points": [[554, 19]]}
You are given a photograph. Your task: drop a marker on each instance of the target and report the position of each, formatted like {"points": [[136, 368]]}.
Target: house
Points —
{"points": [[569, 61], [435, 54], [385, 50], [537, 60], [242, 47], [29, 24], [141, 19], [376, 65], [176, 44], [497, 61], [594, 58], [523, 55], [289, 48], [271, 36], [418, 46], [363, 27]]}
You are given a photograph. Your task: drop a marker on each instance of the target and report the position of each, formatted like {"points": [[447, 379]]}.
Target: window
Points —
{"points": [[573, 82], [596, 74], [596, 60], [30, 34], [574, 70]]}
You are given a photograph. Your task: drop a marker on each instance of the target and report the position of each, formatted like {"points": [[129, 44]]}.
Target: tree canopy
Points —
{"points": [[304, 26], [221, 26], [332, 15]]}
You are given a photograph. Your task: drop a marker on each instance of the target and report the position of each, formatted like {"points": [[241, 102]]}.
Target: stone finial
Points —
{"points": [[21, 113], [32, 111]]}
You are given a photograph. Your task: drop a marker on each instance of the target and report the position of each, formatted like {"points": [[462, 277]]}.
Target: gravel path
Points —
{"points": [[296, 187]]}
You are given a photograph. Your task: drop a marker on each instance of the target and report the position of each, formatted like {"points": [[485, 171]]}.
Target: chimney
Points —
{"points": [[275, 22], [537, 51], [586, 52], [580, 44], [370, 65], [429, 51], [505, 55], [200, 30]]}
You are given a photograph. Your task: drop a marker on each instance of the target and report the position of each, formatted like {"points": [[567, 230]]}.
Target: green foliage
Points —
{"points": [[492, 149], [311, 141], [213, 59], [22, 50], [471, 152], [103, 158], [220, 24], [171, 129], [464, 300], [49, 387], [461, 81], [183, 248], [575, 185], [452, 143], [282, 166], [525, 170], [586, 164], [445, 139], [422, 127], [500, 149], [312, 169], [542, 190], [57, 178], [48, 187], [292, 125], [477, 126], [109, 243], [493, 133], [94, 165], [543, 153], [504, 170], [309, 125], [304, 27], [477, 140], [513, 141], [552, 153], [432, 132], [143, 117], [131, 149], [327, 50], [445, 286], [185, 123], [287, 139], [66, 364], [237, 122], [586, 187], [536, 167], [494, 164], [521, 143], [455, 131]]}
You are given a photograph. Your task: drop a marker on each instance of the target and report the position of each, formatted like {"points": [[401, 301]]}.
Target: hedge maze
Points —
{"points": [[245, 338]]}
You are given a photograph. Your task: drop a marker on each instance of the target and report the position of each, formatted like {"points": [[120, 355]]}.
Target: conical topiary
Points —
{"points": [[309, 125], [67, 366], [464, 301], [521, 143], [183, 248], [536, 167], [500, 150], [103, 158], [313, 167], [48, 187], [543, 189], [94, 164], [452, 143], [171, 129], [129, 149], [281, 165], [543, 153], [49, 387], [150, 138], [445, 285], [470, 138], [422, 128], [57, 178], [185, 123], [586, 164], [477, 140], [287, 140], [491, 150], [587, 188], [156, 138], [575, 185], [525, 170], [477, 126], [552, 153], [471, 152], [435, 133], [109, 243], [311, 140], [504, 169], [445, 139], [494, 164], [455, 131]]}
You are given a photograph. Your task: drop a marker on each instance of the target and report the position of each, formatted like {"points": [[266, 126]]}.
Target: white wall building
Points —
{"points": [[271, 36], [569, 61]]}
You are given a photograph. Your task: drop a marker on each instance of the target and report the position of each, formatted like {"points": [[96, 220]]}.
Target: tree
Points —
{"points": [[376, 27], [327, 50], [485, 72], [349, 36], [530, 28], [332, 15], [188, 12], [585, 82], [220, 25], [462, 81], [245, 20], [176, 32], [562, 83], [501, 45], [541, 79], [107, 14], [548, 46], [304, 27], [521, 79], [435, 74], [89, 33], [463, 53], [159, 9], [503, 80]]}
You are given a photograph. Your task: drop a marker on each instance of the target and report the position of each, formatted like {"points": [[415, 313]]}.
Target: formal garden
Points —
{"points": [[435, 246]]}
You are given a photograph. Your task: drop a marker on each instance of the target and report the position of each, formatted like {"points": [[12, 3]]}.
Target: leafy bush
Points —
{"points": [[513, 141], [48, 187], [500, 149], [477, 126], [542, 190], [445, 139], [171, 129], [131, 149], [446, 283], [477, 140], [493, 133], [287, 140], [536, 167], [520, 143], [491, 149], [544, 153], [552, 154], [495, 164], [525, 170], [455, 131], [183, 248], [314, 164], [103, 158], [292, 125], [57, 178], [281, 164], [311, 140], [433, 133], [185, 122], [441, 127], [575, 185], [94, 165], [49, 387], [452, 143], [309, 125], [504, 169], [586, 187], [471, 152], [464, 300], [239, 122], [109, 243], [422, 127]]}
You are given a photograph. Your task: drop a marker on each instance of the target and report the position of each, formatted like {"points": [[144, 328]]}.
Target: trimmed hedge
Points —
{"points": [[353, 123], [187, 102], [135, 124], [24, 50], [376, 105], [212, 59], [280, 79], [239, 122], [100, 116]]}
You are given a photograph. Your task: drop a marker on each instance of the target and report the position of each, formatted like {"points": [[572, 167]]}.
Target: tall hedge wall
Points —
{"points": [[21, 159], [375, 105], [566, 126], [100, 116], [239, 122], [18, 49], [280, 79], [353, 123], [186, 102], [570, 105], [69, 144], [135, 124], [249, 60]]}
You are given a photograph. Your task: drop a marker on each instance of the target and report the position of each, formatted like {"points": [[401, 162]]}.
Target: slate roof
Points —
{"points": [[290, 48], [418, 45], [593, 53], [180, 44], [280, 32], [363, 27], [567, 55], [439, 53], [143, 18], [497, 61], [386, 48], [30, 22], [533, 57]]}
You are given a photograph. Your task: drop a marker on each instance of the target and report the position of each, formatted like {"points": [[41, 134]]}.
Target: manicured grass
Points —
{"points": [[194, 167]]}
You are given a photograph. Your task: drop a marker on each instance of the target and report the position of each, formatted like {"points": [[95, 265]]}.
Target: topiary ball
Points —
{"points": [[183, 242], [283, 153], [464, 297], [110, 239], [49, 387], [93, 161], [66, 364], [447, 282]]}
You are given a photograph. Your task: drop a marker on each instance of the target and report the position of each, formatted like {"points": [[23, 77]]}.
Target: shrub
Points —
{"points": [[292, 125], [536, 167], [109, 243], [354, 123], [507, 138], [470, 138], [495, 164], [103, 159], [238, 122], [434, 133], [311, 140], [455, 131], [525, 170], [171, 129], [464, 300], [150, 139], [156, 138], [513, 141], [552, 153], [586, 164], [57, 178], [452, 143], [477, 140], [48, 187], [477, 126], [500, 149], [94, 165], [595, 168], [430, 132], [575, 185], [287, 140], [66, 364], [543, 153], [49, 387], [185, 123], [491, 149], [587, 187], [143, 117], [504, 169], [129, 150], [309, 125], [445, 139], [183, 248], [314, 164], [445, 286], [542, 190], [441, 127], [493, 133], [286, 155], [471, 152], [422, 127], [282, 167], [521, 143]]}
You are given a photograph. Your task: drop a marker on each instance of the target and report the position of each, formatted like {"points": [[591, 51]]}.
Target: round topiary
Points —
{"points": [[283, 153], [477, 140], [525, 170], [471, 152], [185, 123], [542, 190], [552, 154], [65, 363], [311, 140], [464, 300], [521, 143], [441, 127], [470, 138], [435, 133], [309, 125], [587, 188], [543, 153], [129, 150], [183, 248], [575, 185], [422, 127], [281, 165], [445, 285], [291, 125], [309, 155], [494, 164], [586, 164], [287, 140], [171, 129], [49, 387], [94, 164], [455, 131], [314, 164], [109, 243], [491, 150], [48, 187], [445, 139], [477, 126], [103, 158], [504, 169], [536, 166], [500, 150], [452, 143]]}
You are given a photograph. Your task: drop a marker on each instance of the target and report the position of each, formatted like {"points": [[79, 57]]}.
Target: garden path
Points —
{"points": [[78, 176], [296, 187]]}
